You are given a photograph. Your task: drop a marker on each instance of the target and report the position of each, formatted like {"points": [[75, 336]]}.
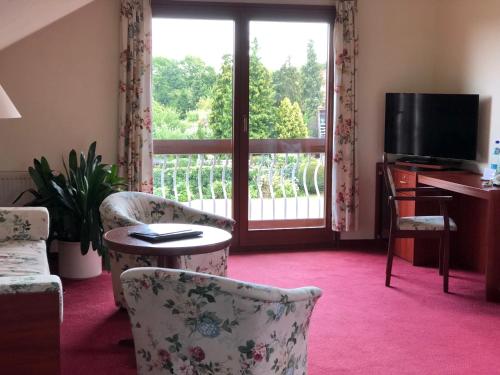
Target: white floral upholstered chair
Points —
{"points": [[192, 323], [131, 208]]}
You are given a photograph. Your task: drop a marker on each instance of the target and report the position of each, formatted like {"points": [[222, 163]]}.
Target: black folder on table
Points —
{"points": [[164, 236]]}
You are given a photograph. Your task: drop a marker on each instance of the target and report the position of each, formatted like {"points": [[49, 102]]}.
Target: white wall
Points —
{"points": [[396, 53], [64, 81], [21, 18], [468, 60]]}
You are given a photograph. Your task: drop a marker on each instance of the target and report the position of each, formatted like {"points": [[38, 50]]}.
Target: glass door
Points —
{"points": [[241, 120], [193, 112], [287, 126]]}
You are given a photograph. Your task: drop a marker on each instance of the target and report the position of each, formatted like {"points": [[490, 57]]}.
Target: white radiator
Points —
{"points": [[13, 183]]}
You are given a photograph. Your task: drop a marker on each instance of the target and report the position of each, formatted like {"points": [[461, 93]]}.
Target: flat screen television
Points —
{"points": [[431, 125]]}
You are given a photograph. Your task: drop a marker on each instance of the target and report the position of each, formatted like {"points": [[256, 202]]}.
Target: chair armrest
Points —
{"points": [[24, 223], [33, 284], [427, 198], [188, 215]]}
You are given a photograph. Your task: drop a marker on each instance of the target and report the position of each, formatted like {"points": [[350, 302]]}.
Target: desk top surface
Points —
{"points": [[459, 182]]}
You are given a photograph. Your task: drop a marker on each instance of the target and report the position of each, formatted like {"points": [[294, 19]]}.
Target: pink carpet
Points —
{"points": [[358, 326]]}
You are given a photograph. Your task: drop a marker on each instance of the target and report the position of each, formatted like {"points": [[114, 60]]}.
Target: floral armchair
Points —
{"points": [[132, 208], [191, 323]]}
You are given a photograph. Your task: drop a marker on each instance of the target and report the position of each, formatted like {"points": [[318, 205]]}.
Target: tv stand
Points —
{"points": [[428, 163]]}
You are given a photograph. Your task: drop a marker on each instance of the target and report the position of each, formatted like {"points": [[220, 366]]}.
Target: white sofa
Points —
{"points": [[30, 297]]}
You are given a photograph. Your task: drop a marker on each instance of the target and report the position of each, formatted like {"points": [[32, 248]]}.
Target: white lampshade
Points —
{"points": [[7, 108]]}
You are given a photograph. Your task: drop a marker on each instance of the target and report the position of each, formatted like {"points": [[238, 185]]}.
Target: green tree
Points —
{"points": [[167, 123], [181, 84], [290, 122], [199, 79], [312, 81], [167, 80], [286, 82], [261, 91], [221, 117]]}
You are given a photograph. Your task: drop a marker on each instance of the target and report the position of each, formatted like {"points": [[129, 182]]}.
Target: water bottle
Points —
{"points": [[495, 162]]}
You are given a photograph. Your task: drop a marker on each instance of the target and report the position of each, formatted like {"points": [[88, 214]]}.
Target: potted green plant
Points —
{"points": [[73, 201]]}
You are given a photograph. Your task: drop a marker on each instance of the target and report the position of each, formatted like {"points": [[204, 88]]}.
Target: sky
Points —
{"points": [[211, 39]]}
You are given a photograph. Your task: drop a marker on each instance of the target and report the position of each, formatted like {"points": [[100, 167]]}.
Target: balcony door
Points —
{"points": [[193, 112], [241, 119]]}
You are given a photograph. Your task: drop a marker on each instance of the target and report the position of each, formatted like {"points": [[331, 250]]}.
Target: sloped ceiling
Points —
{"points": [[20, 18]]}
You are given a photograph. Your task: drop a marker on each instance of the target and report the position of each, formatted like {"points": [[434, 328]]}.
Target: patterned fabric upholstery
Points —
{"points": [[24, 223], [424, 223], [191, 323], [23, 256], [33, 284], [132, 208]]}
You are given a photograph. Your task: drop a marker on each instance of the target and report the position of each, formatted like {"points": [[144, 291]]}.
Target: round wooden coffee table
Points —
{"points": [[212, 239]]}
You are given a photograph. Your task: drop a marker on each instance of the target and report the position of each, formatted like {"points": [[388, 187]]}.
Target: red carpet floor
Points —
{"points": [[358, 326]]}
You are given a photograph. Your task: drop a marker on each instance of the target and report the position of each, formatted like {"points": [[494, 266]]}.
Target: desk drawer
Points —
{"points": [[404, 179]]}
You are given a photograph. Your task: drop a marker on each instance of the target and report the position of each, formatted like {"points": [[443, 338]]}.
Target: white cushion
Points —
{"points": [[23, 258], [24, 223], [424, 223], [24, 269]]}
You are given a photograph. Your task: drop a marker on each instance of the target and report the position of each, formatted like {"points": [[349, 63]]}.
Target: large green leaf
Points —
{"points": [[73, 164], [73, 198]]}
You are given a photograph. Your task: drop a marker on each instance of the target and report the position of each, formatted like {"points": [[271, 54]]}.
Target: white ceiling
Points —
{"points": [[20, 18]]}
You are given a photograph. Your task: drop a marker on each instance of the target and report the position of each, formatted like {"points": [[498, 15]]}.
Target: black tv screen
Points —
{"points": [[431, 125]]}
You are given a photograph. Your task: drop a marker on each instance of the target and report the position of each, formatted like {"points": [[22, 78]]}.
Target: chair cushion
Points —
{"points": [[23, 258], [424, 223], [24, 223]]}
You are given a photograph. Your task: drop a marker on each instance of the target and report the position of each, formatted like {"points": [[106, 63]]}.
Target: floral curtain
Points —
{"points": [[345, 177], [135, 147]]}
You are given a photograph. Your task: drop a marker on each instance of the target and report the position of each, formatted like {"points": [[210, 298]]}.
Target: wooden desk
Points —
{"points": [[477, 213]]}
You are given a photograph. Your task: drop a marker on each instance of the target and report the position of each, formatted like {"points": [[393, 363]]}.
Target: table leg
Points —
{"points": [[493, 254], [166, 261], [127, 343]]}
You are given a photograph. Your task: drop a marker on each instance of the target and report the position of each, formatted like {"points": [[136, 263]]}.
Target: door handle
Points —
{"points": [[245, 123]]}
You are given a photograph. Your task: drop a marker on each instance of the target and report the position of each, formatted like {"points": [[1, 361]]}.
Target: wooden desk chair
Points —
{"points": [[419, 226]]}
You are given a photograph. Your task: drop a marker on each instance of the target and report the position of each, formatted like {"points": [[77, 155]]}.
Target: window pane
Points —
{"points": [[193, 101], [287, 123]]}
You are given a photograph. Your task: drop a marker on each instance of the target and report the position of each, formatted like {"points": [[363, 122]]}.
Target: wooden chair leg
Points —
{"points": [[390, 255], [446, 260], [441, 255]]}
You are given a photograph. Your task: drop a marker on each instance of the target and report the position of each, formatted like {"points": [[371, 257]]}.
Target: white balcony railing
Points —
{"points": [[282, 185]]}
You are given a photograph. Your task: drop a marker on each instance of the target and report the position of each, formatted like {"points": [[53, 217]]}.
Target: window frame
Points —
{"points": [[242, 14]]}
